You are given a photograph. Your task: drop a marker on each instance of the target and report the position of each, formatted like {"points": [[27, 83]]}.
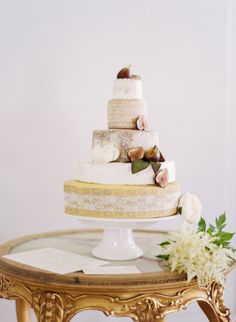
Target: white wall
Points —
{"points": [[57, 62]]}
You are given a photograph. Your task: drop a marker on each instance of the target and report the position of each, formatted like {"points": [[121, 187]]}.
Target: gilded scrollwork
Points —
{"points": [[48, 306], [215, 297], [149, 308], [142, 308], [51, 306], [5, 286]]}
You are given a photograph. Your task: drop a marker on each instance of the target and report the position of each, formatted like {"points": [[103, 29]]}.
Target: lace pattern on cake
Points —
{"points": [[139, 205]]}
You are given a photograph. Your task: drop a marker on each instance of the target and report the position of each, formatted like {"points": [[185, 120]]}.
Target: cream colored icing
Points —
{"points": [[125, 140], [105, 153], [120, 173], [127, 89]]}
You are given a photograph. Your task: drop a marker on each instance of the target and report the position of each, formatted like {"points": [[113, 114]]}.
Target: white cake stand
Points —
{"points": [[117, 242]]}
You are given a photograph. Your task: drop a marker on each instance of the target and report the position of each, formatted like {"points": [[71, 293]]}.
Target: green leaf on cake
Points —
{"points": [[179, 210], [155, 166], [139, 165]]}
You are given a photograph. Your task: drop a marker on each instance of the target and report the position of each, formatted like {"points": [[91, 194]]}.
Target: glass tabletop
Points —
{"points": [[82, 242]]}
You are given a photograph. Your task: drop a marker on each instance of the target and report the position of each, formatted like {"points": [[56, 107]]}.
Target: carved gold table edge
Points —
{"points": [[146, 301]]}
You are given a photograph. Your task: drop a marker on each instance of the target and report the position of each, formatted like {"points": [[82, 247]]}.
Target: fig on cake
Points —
{"points": [[124, 73], [136, 154], [162, 178], [154, 154]]}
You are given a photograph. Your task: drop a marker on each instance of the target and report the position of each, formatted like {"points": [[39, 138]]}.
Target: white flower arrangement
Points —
{"points": [[201, 252]]}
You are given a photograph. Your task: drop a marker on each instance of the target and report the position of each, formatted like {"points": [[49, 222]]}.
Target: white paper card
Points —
{"points": [[55, 260], [112, 270]]}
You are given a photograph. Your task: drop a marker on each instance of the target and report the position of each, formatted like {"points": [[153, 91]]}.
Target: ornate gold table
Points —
{"points": [[145, 297]]}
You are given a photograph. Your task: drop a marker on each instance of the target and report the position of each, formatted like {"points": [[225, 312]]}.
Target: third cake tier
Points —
{"points": [[123, 140]]}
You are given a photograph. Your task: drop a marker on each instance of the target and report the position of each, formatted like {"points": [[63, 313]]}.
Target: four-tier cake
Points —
{"points": [[128, 176]]}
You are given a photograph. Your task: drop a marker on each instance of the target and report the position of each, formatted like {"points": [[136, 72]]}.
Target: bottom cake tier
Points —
{"points": [[120, 201]]}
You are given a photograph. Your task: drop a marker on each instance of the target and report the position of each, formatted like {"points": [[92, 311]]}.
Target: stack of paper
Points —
{"points": [[61, 262]]}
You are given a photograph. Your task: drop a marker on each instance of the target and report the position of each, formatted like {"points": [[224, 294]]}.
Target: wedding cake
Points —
{"points": [[128, 176]]}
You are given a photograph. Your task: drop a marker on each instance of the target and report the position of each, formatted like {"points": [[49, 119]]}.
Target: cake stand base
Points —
{"points": [[117, 242]]}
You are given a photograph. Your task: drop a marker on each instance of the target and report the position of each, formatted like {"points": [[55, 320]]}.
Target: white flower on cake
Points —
{"points": [[105, 153], [190, 207]]}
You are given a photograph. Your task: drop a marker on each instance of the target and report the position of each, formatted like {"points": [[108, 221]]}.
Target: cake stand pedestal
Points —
{"points": [[117, 242]]}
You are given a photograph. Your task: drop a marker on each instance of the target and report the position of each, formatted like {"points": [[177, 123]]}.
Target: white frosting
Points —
{"points": [[126, 88], [125, 140], [105, 153], [120, 173]]}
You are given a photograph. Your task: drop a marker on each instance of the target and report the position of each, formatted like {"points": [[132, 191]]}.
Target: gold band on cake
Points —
{"points": [[120, 201], [117, 214]]}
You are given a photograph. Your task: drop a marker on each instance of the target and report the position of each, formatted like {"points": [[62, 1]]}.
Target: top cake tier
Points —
{"points": [[127, 88], [127, 105]]}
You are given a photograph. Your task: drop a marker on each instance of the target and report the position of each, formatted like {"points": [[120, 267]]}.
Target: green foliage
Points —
{"points": [[221, 238], [164, 243], [155, 166], [139, 165], [221, 221], [164, 257], [202, 225], [179, 210]]}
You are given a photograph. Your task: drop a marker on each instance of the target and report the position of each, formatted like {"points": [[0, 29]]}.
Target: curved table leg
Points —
{"points": [[208, 311], [214, 308], [22, 311], [212, 314]]}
